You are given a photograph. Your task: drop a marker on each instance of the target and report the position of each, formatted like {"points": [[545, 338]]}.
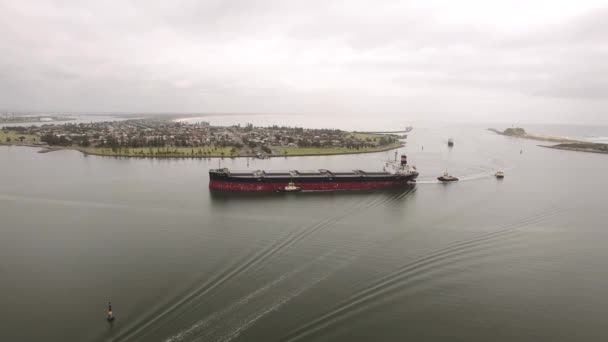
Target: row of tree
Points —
{"points": [[52, 139]]}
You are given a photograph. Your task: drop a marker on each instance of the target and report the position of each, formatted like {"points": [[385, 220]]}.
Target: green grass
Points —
{"points": [[217, 152], [294, 151], [364, 136], [162, 151], [14, 136]]}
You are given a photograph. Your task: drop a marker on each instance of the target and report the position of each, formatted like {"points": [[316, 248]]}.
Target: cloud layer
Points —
{"points": [[444, 59]]}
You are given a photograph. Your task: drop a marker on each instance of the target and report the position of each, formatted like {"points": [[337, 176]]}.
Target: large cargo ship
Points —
{"points": [[394, 174]]}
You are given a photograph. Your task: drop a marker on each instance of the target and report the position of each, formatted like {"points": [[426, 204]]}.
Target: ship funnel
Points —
{"points": [[403, 160]]}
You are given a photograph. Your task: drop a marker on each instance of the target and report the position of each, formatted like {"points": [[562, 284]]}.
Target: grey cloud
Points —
{"points": [[289, 56]]}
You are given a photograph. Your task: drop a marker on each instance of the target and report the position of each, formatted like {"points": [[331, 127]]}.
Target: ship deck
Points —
{"points": [[294, 174], [307, 180]]}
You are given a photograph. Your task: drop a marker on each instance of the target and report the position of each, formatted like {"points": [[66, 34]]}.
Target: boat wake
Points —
{"points": [[251, 263], [465, 178], [250, 320], [230, 322], [412, 273]]}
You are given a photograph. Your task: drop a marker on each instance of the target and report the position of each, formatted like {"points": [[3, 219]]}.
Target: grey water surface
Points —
{"points": [[519, 259]]}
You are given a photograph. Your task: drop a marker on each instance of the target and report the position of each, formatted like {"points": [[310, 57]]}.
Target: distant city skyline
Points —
{"points": [[517, 61]]}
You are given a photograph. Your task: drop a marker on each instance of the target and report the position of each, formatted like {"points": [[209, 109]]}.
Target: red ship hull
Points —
{"points": [[305, 186]]}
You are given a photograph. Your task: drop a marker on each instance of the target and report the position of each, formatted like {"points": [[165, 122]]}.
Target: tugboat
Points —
{"points": [[451, 142], [291, 187], [499, 174], [110, 315], [447, 177]]}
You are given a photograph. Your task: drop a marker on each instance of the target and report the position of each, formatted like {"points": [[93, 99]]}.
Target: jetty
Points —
{"points": [[406, 130]]}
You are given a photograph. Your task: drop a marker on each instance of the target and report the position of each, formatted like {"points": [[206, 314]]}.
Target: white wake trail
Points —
{"points": [[216, 316], [252, 319]]}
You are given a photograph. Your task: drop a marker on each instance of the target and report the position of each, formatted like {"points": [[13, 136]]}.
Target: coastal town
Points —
{"points": [[170, 138]]}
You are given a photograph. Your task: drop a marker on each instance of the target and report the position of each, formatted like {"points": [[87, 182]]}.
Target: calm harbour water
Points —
{"points": [[522, 259]]}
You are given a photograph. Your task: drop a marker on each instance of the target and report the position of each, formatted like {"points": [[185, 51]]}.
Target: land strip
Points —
{"points": [[564, 143], [164, 138], [19, 119], [580, 147], [521, 133]]}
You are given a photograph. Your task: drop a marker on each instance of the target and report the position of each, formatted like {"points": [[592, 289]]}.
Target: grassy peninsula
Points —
{"points": [[164, 138]]}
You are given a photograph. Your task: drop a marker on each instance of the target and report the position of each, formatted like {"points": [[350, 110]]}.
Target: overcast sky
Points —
{"points": [[446, 60]]}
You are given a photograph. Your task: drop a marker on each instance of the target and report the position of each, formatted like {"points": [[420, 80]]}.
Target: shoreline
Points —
{"points": [[574, 149], [170, 156], [47, 149], [539, 137], [23, 145], [561, 142]]}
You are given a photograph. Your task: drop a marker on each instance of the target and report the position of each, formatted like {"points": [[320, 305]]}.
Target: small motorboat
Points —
{"points": [[499, 174], [110, 315], [291, 187], [447, 178]]}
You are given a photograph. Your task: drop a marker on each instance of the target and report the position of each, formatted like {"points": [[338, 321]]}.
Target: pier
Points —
{"points": [[406, 130]]}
